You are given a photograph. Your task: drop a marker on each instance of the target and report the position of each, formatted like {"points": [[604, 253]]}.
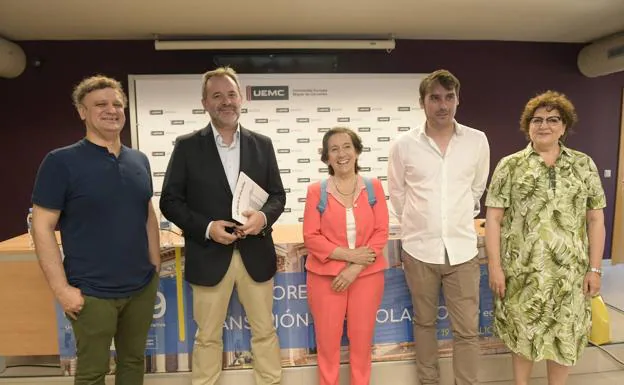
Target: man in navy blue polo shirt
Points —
{"points": [[99, 193]]}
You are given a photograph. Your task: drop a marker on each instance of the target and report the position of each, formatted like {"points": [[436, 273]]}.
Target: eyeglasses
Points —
{"points": [[551, 120]]}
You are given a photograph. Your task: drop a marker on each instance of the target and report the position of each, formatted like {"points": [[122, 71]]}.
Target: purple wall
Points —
{"points": [[497, 80]]}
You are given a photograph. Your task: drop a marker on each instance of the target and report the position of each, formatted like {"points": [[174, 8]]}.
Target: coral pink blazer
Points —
{"points": [[323, 233]]}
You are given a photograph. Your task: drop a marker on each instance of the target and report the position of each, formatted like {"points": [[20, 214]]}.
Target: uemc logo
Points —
{"points": [[267, 92]]}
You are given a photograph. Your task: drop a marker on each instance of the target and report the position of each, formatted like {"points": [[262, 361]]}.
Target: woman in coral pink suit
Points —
{"points": [[345, 228]]}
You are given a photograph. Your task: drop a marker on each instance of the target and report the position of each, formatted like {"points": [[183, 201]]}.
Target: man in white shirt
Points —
{"points": [[436, 176]]}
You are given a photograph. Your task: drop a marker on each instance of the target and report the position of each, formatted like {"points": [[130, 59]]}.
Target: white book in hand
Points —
{"points": [[248, 195]]}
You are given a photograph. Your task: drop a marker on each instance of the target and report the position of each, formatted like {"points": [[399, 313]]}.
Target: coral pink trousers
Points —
{"points": [[359, 304]]}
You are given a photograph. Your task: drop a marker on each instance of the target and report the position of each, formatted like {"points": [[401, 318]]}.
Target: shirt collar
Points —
{"points": [[86, 142], [459, 129], [529, 150], [219, 139]]}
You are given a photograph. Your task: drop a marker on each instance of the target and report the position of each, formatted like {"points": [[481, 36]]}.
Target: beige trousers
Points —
{"points": [[209, 311], [460, 286]]}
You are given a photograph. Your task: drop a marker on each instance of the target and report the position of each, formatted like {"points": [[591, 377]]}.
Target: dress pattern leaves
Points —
{"points": [[544, 252]]}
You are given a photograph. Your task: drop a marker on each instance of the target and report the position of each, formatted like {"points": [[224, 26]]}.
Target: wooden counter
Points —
{"points": [[28, 320]]}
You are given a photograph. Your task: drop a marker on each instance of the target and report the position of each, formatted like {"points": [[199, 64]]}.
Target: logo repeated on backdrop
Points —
{"points": [[295, 111], [267, 93]]}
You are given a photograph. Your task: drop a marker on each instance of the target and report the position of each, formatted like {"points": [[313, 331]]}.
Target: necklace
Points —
{"points": [[343, 194]]}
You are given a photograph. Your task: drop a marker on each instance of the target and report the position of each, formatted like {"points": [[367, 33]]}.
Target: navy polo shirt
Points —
{"points": [[103, 201]]}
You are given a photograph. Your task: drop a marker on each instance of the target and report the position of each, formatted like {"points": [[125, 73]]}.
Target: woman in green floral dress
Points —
{"points": [[545, 238]]}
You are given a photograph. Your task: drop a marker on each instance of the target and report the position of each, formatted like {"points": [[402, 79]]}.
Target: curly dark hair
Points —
{"points": [[551, 100]]}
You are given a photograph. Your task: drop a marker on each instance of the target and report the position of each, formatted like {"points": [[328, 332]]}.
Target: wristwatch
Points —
{"points": [[595, 270]]}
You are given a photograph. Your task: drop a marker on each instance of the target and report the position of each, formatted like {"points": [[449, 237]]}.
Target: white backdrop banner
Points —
{"points": [[293, 109]]}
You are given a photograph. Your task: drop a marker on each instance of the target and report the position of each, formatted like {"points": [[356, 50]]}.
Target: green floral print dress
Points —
{"points": [[544, 252]]}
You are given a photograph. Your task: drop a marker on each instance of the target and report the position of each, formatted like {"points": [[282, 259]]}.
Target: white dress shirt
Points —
{"points": [[230, 160], [436, 196], [230, 156]]}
